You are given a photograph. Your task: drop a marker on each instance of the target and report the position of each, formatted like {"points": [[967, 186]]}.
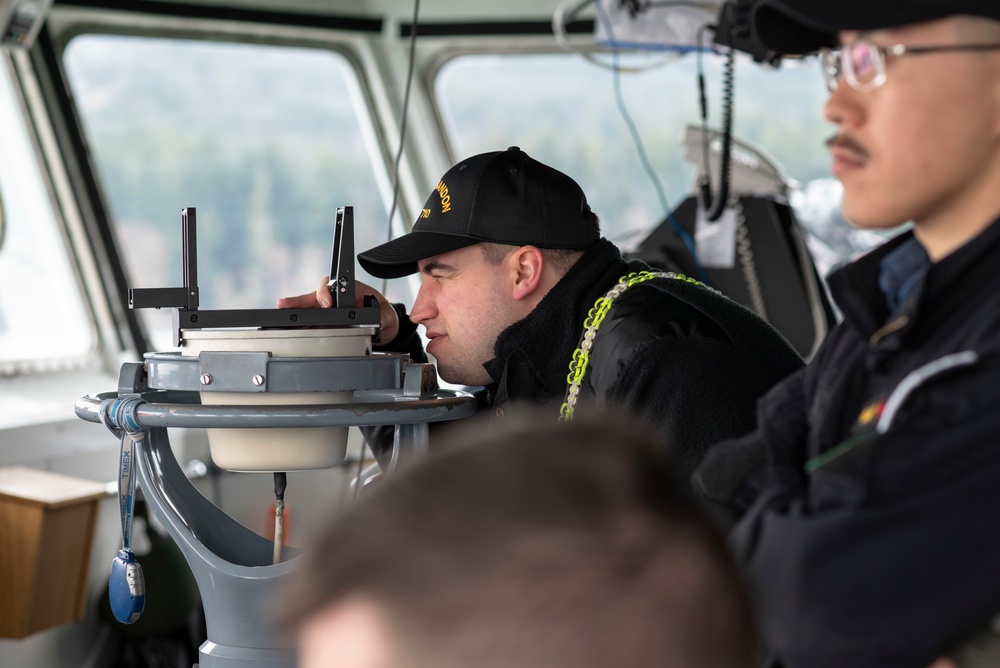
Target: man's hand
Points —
{"points": [[321, 299]]}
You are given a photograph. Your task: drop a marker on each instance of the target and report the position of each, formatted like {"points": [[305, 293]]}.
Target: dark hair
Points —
{"points": [[539, 545], [561, 259]]}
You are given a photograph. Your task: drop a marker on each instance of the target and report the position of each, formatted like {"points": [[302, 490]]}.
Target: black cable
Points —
{"points": [[681, 232], [703, 100], [402, 122], [714, 206]]}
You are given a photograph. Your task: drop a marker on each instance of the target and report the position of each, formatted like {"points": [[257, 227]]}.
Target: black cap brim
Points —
{"points": [[399, 257], [797, 27]]}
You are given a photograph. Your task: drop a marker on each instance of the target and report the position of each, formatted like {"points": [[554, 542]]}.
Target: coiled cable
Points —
{"points": [[715, 204]]}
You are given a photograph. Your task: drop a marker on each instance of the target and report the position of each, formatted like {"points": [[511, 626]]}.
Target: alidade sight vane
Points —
{"points": [[185, 299], [341, 282]]}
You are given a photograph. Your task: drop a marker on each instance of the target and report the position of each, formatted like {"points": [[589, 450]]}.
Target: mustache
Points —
{"points": [[848, 143]]}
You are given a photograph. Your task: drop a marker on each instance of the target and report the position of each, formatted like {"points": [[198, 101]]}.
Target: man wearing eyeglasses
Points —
{"points": [[869, 497]]}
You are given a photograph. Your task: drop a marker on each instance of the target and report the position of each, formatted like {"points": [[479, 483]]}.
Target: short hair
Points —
{"points": [[542, 545], [561, 259]]}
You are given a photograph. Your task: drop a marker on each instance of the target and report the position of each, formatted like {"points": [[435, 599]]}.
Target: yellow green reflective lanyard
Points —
{"points": [[595, 316]]}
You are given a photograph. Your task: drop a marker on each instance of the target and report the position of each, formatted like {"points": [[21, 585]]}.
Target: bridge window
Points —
{"points": [[264, 141], [43, 325], [563, 110]]}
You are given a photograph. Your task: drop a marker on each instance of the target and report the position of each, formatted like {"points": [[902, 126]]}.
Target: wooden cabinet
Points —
{"points": [[46, 530]]}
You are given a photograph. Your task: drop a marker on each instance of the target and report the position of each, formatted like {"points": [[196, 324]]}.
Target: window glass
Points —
{"points": [[563, 110], [264, 141], [42, 317]]}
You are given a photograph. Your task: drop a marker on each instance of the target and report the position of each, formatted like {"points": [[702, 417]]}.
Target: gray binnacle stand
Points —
{"points": [[231, 564]]}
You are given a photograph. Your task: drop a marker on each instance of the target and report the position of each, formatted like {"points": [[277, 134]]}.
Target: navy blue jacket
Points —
{"points": [[870, 492]]}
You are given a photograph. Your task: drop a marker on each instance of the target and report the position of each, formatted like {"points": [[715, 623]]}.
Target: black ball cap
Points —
{"points": [[797, 27], [503, 197]]}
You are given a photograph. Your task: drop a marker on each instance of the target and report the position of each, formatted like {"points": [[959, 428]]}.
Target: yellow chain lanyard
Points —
{"points": [[595, 316]]}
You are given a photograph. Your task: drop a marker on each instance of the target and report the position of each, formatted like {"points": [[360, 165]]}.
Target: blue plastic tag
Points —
{"points": [[126, 588]]}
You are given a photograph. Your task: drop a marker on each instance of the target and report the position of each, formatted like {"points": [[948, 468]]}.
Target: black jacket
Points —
{"points": [[685, 360], [870, 492]]}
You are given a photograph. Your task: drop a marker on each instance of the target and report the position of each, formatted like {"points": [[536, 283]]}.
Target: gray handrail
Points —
{"points": [[432, 407]]}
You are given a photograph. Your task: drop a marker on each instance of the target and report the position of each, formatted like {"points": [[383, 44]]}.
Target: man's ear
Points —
{"points": [[527, 264]]}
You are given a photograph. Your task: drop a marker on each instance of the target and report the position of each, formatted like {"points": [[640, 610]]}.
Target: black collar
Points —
{"points": [[549, 334], [855, 286]]}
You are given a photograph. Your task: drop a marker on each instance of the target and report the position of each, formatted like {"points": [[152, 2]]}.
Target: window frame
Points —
{"points": [[286, 31], [55, 363]]}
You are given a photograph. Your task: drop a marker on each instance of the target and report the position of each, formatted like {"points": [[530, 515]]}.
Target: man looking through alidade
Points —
{"points": [[520, 294]]}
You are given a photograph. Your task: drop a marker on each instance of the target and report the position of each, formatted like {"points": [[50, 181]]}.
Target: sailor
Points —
{"points": [[520, 294], [869, 496]]}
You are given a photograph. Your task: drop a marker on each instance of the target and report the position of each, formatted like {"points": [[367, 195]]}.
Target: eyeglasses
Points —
{"points": [[862, 62]]}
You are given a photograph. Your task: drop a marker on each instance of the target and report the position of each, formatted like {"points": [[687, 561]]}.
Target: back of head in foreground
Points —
{"points": [[537, 546]]}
